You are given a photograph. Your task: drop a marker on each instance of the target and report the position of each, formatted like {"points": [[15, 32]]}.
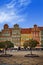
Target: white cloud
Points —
{"points": [[8, 14], [10, 17], [3, 16], [24, 2], [11, 4], [19, 2]]}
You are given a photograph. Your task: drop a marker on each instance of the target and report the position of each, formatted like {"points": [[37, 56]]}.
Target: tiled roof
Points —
{"points": [[41, 28], [25, 30]]}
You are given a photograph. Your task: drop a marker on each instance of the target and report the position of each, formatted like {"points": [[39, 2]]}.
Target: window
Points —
{"points": [[41, 36], [15, 32], [6, 34], [41, 32]]}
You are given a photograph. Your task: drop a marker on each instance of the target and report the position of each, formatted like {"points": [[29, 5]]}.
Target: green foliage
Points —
{"points": [[33, 43], [25, 45], [6, 44], [9, 44], [1, 44]]}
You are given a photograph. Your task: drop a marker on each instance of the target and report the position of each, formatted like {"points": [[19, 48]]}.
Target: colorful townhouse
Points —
{"points": [[19, 35]]}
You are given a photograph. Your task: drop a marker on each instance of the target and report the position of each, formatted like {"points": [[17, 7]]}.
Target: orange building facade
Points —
{"points": [[19, 35]]}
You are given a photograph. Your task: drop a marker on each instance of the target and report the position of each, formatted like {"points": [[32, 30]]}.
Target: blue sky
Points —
{"points": [[26, 13]]}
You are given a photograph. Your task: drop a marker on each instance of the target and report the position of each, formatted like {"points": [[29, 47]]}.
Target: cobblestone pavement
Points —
{"points": [[19, 59]]}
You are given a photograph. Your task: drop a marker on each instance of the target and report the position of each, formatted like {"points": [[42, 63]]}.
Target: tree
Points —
{"points": [[5, 45], [25, 45], [1, 45], [32, 44]]}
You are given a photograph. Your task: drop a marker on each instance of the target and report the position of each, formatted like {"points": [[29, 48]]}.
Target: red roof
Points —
{"points": [[25, 30], [41, 28]]}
